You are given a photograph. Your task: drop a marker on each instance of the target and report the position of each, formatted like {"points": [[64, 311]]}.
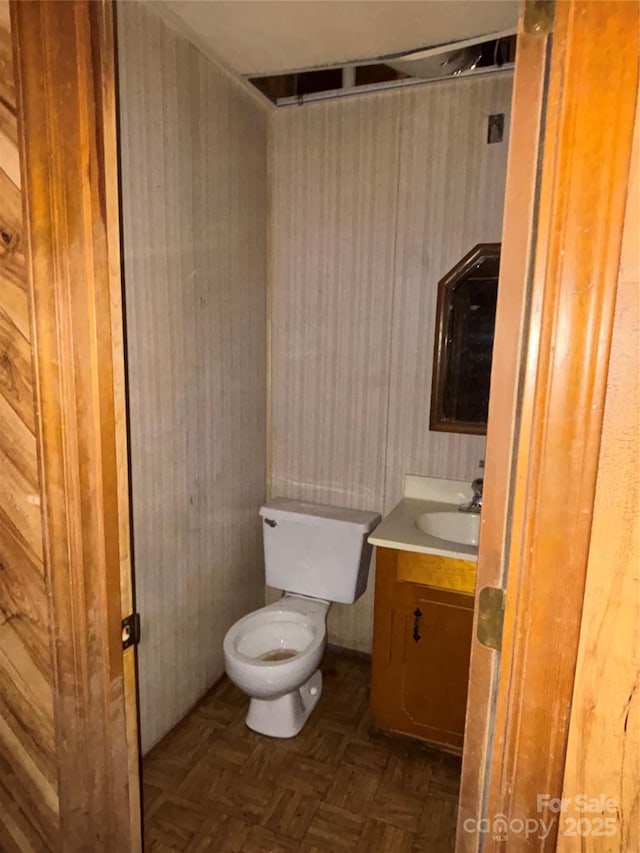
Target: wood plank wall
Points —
{"points": [[194, 204], [29, 808], [375, 197], [603, 754]]}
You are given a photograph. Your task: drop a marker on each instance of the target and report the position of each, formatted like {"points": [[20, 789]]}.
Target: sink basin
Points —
{"points": [[460, 527]]}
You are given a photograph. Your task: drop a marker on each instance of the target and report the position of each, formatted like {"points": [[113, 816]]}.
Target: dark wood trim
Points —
{"points": [[508, 347], [64, 66], [578, 228]]}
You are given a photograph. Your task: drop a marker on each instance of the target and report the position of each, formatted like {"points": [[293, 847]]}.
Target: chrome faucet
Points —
{"points": [[475, 504]]}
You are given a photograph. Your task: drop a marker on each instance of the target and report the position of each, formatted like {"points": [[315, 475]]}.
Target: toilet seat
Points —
{"points": [[260, 638]]}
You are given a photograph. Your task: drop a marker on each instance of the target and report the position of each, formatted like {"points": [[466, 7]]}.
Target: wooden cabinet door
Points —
{"points": [[421, 651], [432, 645]]}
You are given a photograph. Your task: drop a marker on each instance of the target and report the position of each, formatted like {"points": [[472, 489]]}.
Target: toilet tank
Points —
{"points": [[317, 550]]}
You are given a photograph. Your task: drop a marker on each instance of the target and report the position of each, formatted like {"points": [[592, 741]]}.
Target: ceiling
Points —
{"points": [[254, 37]]}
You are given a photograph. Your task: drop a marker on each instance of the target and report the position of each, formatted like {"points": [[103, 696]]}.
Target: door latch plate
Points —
{"points": [[130, 630]]}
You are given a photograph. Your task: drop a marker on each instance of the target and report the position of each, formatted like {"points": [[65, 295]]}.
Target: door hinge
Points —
{"points": [[490, 617], [538, 16], [130, 630]]}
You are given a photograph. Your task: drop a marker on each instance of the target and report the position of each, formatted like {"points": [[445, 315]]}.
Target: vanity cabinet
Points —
{"points": [[421, 646]]}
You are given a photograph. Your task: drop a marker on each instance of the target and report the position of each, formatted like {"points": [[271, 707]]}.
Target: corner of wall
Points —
{"points": [[175, 23]]}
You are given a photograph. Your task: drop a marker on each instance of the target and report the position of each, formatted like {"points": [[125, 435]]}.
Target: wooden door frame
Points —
{"points": [[509, 343], [559, 283], [64, 64]]}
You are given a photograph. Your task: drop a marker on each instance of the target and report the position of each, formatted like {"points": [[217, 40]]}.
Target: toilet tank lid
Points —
{"points": [[281, 509]]}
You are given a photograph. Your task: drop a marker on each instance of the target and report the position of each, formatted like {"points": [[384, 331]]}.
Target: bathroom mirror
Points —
{"points": [[465, 320]]}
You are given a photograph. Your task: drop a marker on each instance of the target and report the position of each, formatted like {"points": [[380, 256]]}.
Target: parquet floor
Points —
{"points": [[212, 784]]}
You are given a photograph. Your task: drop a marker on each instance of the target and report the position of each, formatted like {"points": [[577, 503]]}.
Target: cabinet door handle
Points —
{"points": [[416, 624]]}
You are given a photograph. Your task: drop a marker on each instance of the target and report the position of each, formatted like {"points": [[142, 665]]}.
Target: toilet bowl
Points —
{"points": [[273, 655]]}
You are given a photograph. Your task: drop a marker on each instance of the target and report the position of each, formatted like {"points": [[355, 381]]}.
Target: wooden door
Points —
{"points": [[68, 738], [567, 179], [29, 802]]}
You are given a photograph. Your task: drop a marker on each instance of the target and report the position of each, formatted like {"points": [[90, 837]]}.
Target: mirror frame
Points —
{"points": [[442, 348]]}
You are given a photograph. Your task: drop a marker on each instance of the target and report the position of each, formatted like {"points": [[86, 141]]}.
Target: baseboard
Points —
{"points": [[351, 653]]}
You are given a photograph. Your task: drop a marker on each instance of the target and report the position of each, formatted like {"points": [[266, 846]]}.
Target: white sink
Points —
{"points": [[460, 527]]}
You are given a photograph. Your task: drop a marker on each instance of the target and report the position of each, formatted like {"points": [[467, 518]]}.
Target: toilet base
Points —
{"points": [[285, 716]]}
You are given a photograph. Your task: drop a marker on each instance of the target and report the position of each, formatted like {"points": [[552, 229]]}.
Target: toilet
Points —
{"points": [[317, 554]]}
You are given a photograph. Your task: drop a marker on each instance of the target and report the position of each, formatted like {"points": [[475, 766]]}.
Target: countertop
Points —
{"points": [[424, 494]]}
